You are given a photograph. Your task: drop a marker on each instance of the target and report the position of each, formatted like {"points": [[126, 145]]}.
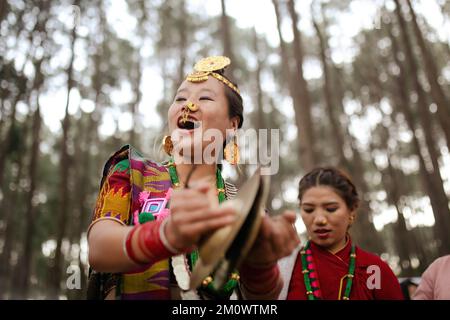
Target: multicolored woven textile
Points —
{"points": [[126, 174]]}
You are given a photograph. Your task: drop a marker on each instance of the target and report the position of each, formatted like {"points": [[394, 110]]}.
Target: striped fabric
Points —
{"points": [[126, 174], [230, 190]]}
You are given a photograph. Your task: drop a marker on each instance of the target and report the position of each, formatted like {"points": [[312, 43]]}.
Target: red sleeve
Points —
{"points": [[260, 283], [390, 287], [296, 289]]}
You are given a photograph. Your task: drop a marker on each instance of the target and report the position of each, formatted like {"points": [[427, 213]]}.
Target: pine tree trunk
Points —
{"points": [[304, 151], [134, 138], [260, 123], [337, 137], [304, 106], [23, 272], [394, 190], [65, 164], [27, 255], [9, 209], [437, 92], [38, 27], [426, 180], [5, 145], [226, 38], [87, 136], [183, 42], [434, 179], [4, 9]]}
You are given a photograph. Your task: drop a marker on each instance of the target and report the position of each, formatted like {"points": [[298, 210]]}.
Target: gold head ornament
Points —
{"points": [[207, 67]]}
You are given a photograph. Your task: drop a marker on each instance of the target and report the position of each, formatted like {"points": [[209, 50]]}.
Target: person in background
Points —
{"points": [[330, 266], [435, 281]]}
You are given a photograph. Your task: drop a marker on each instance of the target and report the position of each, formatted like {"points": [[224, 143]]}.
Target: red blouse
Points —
{"points": [[373, 279]]}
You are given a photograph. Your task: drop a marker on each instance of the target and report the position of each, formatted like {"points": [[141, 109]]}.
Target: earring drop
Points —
{"points": [[167, 145], [231, 151]]}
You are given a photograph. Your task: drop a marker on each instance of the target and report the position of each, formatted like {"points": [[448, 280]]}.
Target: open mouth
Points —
{"points": [[188, 124]]}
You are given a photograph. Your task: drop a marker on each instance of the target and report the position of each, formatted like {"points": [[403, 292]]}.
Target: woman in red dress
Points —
{"points": [[330, 266]]}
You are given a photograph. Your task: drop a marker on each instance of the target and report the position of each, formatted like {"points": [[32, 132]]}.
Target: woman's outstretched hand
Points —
{"points": [[276, 239]]}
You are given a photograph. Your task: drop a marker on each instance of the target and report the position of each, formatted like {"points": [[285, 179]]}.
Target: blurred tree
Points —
{"points": [[364, 231], [66, 162], [37, 38], [4, 9], [437, 92], [435, 185], [226, 37], [306, 131], [304, 148]]}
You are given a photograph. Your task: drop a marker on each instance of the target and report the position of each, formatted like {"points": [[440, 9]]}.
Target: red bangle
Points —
{"points": [[129, 248], [150, 242]]}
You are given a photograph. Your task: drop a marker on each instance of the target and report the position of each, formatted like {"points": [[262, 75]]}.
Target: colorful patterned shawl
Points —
{"points": [[125, 175]]}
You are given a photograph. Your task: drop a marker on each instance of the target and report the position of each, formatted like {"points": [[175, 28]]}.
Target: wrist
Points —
{"points": [[168, 233], [167, 239]]}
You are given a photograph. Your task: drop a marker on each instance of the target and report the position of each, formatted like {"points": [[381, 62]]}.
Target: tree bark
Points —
{"points": [[226, 38], [5, 145], [394, 190], [305, 119], [23, 272], [65, 164], [337, 137], [437, 92], [134, 138], [24, 266], [434, 179], [363, 232], [183, 41], [4, 9], [260, 123], [28, 253], [304, 151], [11, 219]]}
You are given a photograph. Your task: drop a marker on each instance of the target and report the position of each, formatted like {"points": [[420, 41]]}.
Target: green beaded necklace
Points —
{"points": [[313, 291], [208, 284]]}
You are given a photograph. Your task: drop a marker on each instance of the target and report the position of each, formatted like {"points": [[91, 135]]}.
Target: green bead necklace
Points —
{"points": [[208, 283], [310, 276]]}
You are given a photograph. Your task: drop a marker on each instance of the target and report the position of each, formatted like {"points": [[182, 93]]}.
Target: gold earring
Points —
{"points": [[231, 151], [167, 145]]}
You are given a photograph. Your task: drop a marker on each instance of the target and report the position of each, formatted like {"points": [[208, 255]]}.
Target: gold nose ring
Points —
{"points": [[192, 106]]}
